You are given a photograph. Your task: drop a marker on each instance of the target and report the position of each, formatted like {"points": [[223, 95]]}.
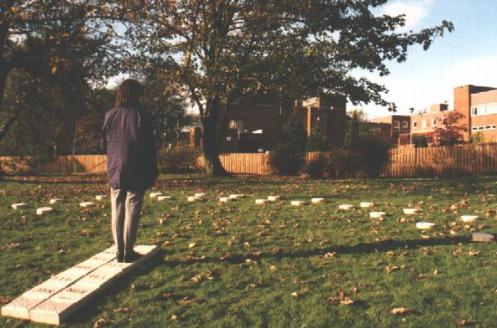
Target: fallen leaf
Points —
{"points": [[102, 322], [122, 310], [4, 300], [347, 301], [329, 254]]}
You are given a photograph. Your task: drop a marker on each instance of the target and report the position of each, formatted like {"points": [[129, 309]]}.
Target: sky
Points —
{"points": [[468, 55]]}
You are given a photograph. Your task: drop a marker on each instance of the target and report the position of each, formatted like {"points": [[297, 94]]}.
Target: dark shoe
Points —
{"points": [[120, 257], [131, 257]]}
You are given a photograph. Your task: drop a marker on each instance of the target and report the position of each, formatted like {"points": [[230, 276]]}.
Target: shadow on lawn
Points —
{"points": [[91, 309], [361, 248]]}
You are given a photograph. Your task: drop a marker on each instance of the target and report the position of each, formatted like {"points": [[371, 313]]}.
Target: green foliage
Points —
{"points": [[365, 159], [477, 138], [179, 158], [221, 51], [420, 141], [288, 155], [70, 45], [317, 142]]}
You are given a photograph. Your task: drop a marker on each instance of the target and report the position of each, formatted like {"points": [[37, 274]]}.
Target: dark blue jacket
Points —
{"points": [[130, 145]]}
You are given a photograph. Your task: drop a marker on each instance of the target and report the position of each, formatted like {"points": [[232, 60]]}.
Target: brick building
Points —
{"points": [[425, 124], [398, 124], [476, 104], [254, 127], [479, 107], [325, 115]]}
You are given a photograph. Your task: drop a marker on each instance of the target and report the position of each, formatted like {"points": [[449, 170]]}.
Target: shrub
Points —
{"points": [[288, 155], [317, 142], [373, 154], [364, 159], [287, 159], [343, 163], [316, 167], [477, 138], [178, 158]]}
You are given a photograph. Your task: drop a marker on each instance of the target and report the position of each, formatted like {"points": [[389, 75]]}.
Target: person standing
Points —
{"points": [[129, 142]]}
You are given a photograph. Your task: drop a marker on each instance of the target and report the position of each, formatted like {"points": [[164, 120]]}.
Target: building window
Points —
{"points": [[434, 122], [481, 128], [396, 124], [474, 128], [485, 109], [414, 124], [405, 124], [488, 127], [491, 109], [228, 138]]}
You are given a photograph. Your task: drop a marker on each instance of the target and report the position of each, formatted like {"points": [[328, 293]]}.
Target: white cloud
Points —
{"points": [[415, 11]]}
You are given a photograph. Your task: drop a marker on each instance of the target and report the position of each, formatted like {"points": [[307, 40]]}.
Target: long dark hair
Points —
{"points": [[129, 93]]}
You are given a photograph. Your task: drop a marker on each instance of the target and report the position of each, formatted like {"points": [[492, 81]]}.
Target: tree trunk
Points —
{"points": [[210, 145], [3, 80]]}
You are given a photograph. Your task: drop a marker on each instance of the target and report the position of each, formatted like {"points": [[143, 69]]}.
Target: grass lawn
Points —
{"points": [[245, 265]]}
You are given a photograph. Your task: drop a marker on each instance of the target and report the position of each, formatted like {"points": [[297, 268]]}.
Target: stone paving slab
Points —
{"points": [[57, 298]]}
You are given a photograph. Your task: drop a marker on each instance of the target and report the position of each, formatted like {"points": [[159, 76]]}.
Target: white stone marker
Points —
{"points": [[193, 198], [236, 196], [469, 218], [155, 194], [100, 197], [377, 215], [345, 207], [86, 204], [260, 201], [55, 200], [482, 237], [424, 225], [162, 198], [273, 198], [297, 202], [317, 200], [18, 205], [410, 211], [43, 210], [366, 204], [225, 199], [199, 194]]}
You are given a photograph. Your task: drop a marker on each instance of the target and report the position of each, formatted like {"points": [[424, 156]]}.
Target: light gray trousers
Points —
{"points": [[126, 208]]}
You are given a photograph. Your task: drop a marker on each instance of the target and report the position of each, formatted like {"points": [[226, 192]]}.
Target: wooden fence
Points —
{"points": [[462, 160], [246, 163], [57, 165]]}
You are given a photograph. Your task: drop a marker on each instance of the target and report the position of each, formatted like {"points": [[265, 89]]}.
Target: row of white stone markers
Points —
{"points": [[421, 225], [274, 198], [46, 209]]}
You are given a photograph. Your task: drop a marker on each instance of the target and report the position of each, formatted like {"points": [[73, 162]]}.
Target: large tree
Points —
{"points": [[72, 42], [221, 50]]}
